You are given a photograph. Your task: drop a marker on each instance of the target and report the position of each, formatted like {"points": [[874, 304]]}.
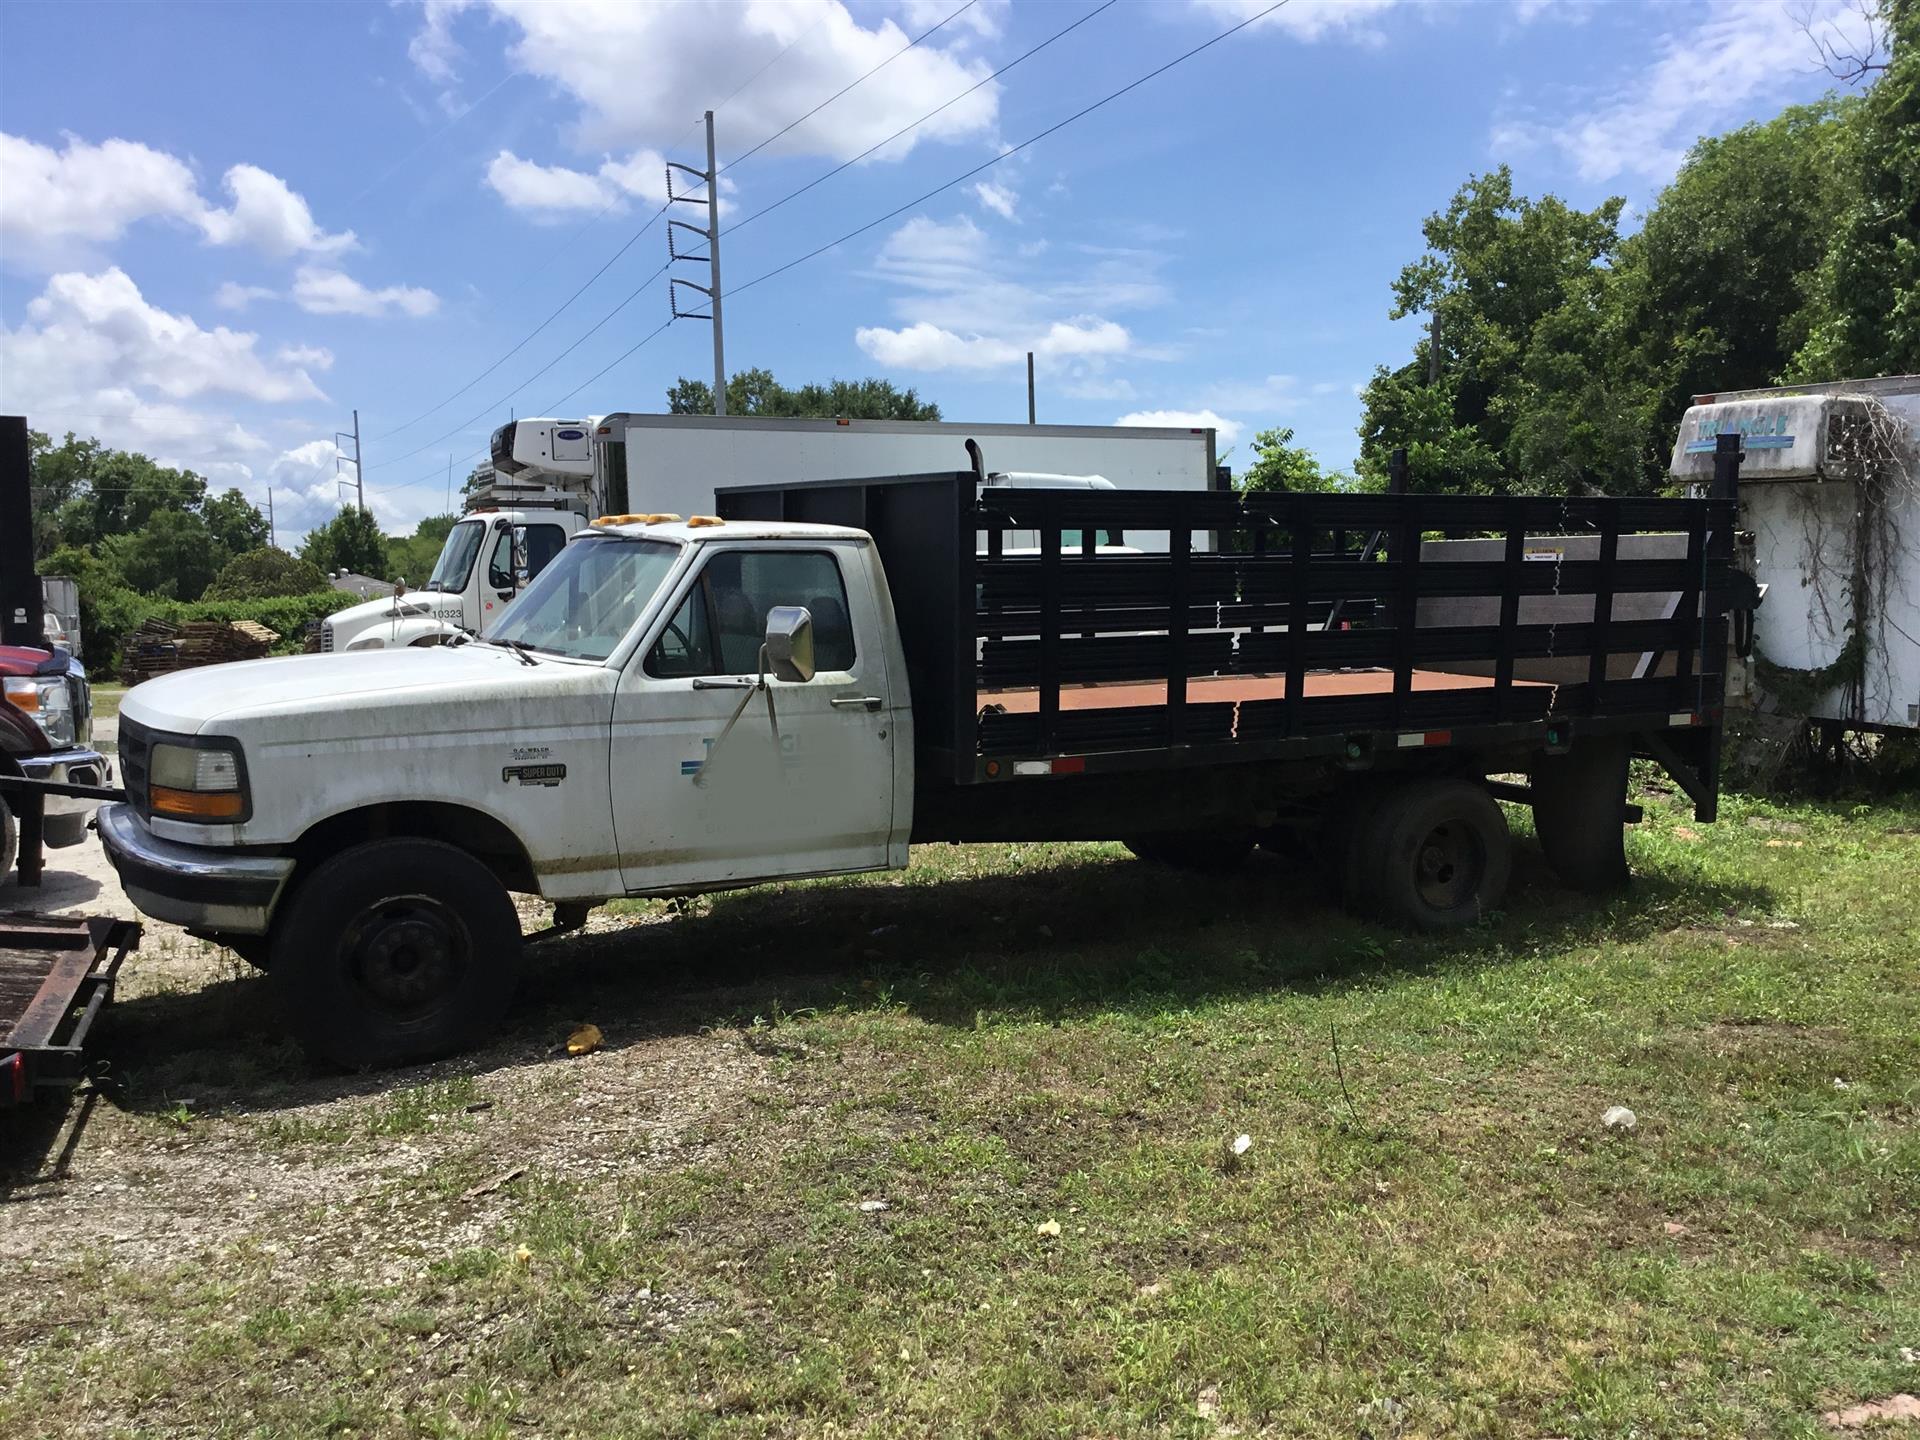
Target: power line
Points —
{"points": [[1031, 140], [657, 330], [850, 85], [494, 405], [849, 164], [519, 346]]}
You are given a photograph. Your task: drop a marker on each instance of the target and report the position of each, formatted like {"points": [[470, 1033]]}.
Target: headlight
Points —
{"points": [[47, 699], [205, 781]]}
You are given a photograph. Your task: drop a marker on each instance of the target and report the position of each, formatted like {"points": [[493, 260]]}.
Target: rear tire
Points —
{"points": [[1208, 852], [395, 951], [1436, 855], [1579, 813]]}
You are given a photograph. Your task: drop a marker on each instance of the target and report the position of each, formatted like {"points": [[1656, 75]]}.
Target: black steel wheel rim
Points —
{"points": [[408, 953], [1449, 866]]}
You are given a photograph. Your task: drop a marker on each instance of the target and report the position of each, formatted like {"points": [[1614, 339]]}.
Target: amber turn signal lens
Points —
{"points": [[194, 805]]}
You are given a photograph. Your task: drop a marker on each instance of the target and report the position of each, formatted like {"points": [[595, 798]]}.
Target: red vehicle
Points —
{"points": [[46, 733]]}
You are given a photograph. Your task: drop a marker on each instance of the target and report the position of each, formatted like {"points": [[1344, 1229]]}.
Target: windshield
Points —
{"points": [[584, 603], [456, 556]]}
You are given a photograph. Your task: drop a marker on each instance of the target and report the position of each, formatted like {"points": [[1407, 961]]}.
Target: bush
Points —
{"points": [[108, 614], [265, 574]]}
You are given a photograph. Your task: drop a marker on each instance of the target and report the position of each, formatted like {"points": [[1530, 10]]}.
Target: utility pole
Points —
{"points": [[710, 177], [449, 480], [359, 471], [1030, 419], [273, 541]]}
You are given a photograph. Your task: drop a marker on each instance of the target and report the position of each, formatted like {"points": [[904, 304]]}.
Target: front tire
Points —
{"points": [[396, 951]]}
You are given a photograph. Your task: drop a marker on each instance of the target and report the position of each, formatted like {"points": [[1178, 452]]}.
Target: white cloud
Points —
{"points": [[85, 333], [554, 192], [928, 347], [312, 357], [640, 73], [1229, 430], [997, 198], [1310, 19], [1692, 81], [231, 296], [269, 217], [967, 305], [320, 291], [91, 193], [527, 185]]}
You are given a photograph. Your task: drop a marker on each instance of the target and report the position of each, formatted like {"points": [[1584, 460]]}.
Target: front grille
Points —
{"points": [[82, 701], [136, 749], [326, 637]]}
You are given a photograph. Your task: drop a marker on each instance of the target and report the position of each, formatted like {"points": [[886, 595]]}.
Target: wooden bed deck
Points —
{"points": [[1204, 689]]}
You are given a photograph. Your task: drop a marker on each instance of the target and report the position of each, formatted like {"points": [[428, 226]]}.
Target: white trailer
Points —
{"points": [[1830, 492], [674, 463]]}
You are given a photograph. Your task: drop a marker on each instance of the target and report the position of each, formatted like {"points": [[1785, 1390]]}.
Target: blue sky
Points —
{"points": [[224, 227]]}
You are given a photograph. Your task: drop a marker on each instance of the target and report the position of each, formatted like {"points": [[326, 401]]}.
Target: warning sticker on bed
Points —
{"points": [[1555, 553]]}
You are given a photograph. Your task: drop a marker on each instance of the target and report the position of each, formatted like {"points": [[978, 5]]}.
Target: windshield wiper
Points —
{"points": [[520, 648]]}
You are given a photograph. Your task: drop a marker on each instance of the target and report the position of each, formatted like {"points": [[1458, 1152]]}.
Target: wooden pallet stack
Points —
{"points": [[160, 647]]}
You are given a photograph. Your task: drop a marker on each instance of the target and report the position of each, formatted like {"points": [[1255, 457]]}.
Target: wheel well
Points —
{"points": [[479, 834]]}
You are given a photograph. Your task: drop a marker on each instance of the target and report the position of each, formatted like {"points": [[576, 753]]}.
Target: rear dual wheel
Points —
{"points": [[1429, 854]]}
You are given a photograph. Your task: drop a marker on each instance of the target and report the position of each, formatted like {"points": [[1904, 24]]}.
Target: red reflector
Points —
{"points": [[843, 422], [13, 1078], [1069, 764], [1439, 737]]}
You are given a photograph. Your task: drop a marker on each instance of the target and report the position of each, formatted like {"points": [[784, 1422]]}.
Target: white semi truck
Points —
{"points": [[552, 476], [1830, 493]]}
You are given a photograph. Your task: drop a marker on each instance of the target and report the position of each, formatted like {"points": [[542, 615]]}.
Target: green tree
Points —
{"points": [[350, 541], [264, 573], [1864, 315], [1279, 464], [756, 392], [411, 557], [58, 483], [236, 522], [173, 555], [1496, 264]]}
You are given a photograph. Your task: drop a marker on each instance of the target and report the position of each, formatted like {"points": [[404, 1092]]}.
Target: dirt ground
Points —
{"points": [[208, 1129]]}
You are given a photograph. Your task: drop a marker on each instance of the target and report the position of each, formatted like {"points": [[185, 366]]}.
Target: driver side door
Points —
{"points": [[717, 782]]}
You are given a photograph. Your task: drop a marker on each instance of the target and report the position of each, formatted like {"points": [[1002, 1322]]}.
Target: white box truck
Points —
{"points": [[1830, 492], [552, 476]]}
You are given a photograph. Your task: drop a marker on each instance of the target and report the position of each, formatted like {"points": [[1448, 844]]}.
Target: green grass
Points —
{"points": [[1432, 1233], [106, 700]]}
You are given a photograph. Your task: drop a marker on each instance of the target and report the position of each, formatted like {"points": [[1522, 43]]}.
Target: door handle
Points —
{"points": [[857, 702]]}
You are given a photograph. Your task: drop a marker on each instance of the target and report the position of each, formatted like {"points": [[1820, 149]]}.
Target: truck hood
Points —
{"points": [[413, 605], [188, 701]]}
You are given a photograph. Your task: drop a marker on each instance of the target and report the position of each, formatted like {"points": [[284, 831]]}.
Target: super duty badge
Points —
{"points": [[551, 774]]}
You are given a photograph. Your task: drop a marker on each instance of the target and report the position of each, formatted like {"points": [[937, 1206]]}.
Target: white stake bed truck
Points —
{"points": [[677, 707]]}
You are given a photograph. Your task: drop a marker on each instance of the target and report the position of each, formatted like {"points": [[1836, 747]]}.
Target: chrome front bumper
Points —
{"points": [[222, 891], [66, 815]]}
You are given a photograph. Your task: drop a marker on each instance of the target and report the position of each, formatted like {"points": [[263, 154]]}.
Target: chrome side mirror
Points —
{"points": [[789, 643]]}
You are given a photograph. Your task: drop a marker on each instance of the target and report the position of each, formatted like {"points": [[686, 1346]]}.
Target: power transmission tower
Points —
{"points": [[710, 177], [359, 470]]}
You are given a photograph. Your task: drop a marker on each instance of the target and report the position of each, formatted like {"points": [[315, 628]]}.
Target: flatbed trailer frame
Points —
{"points": [[976, 622], [56, 975]]}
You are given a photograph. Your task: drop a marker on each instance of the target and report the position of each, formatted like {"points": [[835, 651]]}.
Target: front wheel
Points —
{"points": [[396, 951]]}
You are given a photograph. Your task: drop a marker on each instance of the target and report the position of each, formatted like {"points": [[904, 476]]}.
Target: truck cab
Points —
{"points": [[620, 731], [488, 556]]}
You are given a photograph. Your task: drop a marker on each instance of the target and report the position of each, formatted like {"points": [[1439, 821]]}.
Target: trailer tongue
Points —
{"points": [[56, 974]]}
